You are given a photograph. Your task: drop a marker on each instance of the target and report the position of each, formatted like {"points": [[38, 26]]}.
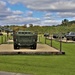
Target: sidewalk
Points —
{"points": [[10, 73]]}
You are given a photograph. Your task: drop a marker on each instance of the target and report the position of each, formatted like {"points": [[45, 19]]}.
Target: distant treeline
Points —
{"points": [[64, 27]]}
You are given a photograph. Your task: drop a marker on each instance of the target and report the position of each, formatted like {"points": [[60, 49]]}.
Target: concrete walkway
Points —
{"points": [[10, 73], [41, 49]]}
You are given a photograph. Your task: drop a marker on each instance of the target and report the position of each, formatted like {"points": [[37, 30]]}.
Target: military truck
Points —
{"points": [[25, 39], [70, 36]]}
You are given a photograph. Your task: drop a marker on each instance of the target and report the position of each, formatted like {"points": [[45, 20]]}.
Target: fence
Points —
{"points": [[51, 42]]}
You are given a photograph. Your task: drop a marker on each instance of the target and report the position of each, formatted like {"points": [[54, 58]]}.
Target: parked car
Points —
{"points": [[70, 36], [46, 34], [58, 36]]}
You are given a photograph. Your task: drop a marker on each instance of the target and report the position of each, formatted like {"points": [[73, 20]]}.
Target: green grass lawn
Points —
{"points": [[42, 64]]}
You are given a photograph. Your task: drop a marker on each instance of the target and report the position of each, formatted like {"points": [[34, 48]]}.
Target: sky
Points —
{"points": [[36, 12]]}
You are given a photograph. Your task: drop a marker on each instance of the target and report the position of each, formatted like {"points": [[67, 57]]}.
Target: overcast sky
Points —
{"points": [[37, 12]]}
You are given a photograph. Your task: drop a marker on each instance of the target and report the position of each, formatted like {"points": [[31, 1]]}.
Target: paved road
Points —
{"points": [[10, 73]]}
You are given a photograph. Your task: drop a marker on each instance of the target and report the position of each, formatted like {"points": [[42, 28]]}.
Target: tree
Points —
{"points": [[30, 25], [65, 22], [25, 25]]}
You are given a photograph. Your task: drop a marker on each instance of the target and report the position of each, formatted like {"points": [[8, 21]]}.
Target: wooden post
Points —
{"points": [[0, 39], [5, 39], [51, 41], [45, 40], [38, 38], [60, 43]]}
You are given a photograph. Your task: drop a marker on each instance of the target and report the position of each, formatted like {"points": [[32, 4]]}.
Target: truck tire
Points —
{"points": [[73, 39], [67, 38], [16, 47], [34, 46]]}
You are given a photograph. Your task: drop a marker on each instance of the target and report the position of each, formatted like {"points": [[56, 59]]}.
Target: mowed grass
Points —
{"points": [[42, 64]]}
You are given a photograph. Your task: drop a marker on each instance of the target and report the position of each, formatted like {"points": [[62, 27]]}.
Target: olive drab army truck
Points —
{"points": [[24, 39]]}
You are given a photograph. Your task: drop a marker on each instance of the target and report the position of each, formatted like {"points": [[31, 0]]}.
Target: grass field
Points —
{"points": [[42, 64]]}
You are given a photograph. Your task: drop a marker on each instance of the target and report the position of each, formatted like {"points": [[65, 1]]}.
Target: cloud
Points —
{"points": [[55, 11], [2, 3], [48, 16], [29, 13], [15, 19], [49, 19], [48, 5], [66, 14], [17, 12], [50, 22], [3, 10], [14, 1], [9, 16]]}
